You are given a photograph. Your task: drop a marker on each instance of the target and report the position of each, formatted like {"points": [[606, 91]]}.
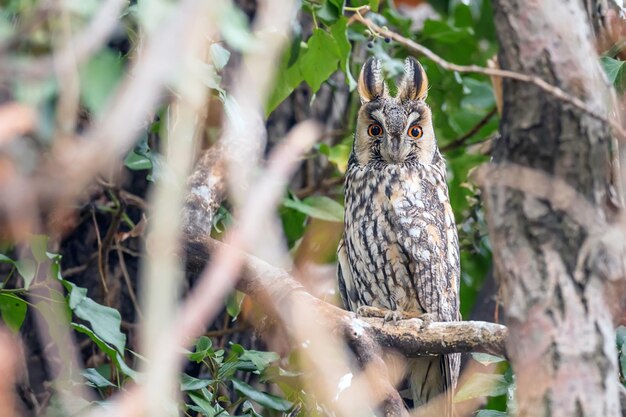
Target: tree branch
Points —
{"points": [[495, 72], [277, 290]]}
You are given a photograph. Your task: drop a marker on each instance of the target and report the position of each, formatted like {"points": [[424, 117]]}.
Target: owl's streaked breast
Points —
{"points": [[388, 209]]}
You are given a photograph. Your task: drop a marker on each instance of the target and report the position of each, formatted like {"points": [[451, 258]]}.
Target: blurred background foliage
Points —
{"points": [[231, 371]]}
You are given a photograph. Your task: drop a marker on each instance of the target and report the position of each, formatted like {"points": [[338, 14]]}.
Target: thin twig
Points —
{"points": [[101, 272], [129, 284], [495, 72]]}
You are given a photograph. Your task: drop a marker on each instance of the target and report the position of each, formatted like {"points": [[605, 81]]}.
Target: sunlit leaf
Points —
{"points": [[320, 60]]}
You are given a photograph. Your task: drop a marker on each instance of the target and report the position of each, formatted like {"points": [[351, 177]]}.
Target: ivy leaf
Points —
{"points": [[613, 69], [95, 380], [288, 77], [27, 269], [318, 207], [340, 32], [109, 350], [136, 162], [105, 321], [98, 79], [219, 56], [486, 359], [482, 385], [262, 398], [12, 310], [320, 60]]}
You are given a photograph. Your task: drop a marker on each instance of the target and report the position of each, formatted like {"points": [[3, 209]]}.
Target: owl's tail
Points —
{"points": [[432, 381]]}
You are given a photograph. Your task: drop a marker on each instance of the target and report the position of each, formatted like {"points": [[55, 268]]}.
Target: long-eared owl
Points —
{"points": [[400, 248]]}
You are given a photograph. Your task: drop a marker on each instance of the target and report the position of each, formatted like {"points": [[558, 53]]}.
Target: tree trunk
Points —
{"points": [[551, 259]]}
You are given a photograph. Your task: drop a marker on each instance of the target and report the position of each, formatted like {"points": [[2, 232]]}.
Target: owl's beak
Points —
{"points": [[394, 150]]}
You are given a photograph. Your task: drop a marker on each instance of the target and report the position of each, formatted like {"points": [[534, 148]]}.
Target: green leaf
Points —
{"points": [[203, 401], [613, 68], [98, 79], [261, 360], [189, 383], [105, 321], [39, 246], [262, 398], [319, 207], [288, 77], [320, 60], [136, 162], [219, 56], [204, 348], [96, 380], [442, 32], [109, 350], [479, 95], [247, 408], [374, 5], [338, 155], [328, 13], [482, 385], [487, 359], [233, 304], [12, 310], [340, 32], [27, 269]]}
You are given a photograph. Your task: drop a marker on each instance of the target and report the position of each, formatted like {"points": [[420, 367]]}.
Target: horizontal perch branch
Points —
{"points": [[277, 289]]}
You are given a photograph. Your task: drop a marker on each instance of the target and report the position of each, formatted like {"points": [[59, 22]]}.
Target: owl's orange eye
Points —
{"points": [[374, 130], [415, 131]]}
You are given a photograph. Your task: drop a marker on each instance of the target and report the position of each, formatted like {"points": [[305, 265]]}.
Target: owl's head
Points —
{"points": [[394, 130]]}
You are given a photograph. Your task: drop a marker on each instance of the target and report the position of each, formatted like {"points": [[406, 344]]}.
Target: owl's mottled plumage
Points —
{"points": [[400, 249]]}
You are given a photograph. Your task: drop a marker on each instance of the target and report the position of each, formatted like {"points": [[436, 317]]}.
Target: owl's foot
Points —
{"points": [[427, 319], [395, 315]]}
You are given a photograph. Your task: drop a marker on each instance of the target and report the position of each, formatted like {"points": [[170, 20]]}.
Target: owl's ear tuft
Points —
{"points": [[371, 83], [414, 84]]}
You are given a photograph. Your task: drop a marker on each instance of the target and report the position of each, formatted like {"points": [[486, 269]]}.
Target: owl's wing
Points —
{"points": [[426, 233], [344, 279]]}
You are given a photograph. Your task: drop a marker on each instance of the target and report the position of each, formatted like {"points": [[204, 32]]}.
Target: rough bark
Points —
{"points": [[553, 268]]}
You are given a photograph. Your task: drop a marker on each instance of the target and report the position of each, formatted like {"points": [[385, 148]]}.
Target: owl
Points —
{"points": [[399, 251]]}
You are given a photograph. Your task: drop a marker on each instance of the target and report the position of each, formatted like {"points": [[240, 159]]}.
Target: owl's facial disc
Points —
{"points": [[400, 131]]}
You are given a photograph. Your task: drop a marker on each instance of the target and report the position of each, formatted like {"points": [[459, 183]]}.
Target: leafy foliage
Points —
{"points": [[326, 51]]}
